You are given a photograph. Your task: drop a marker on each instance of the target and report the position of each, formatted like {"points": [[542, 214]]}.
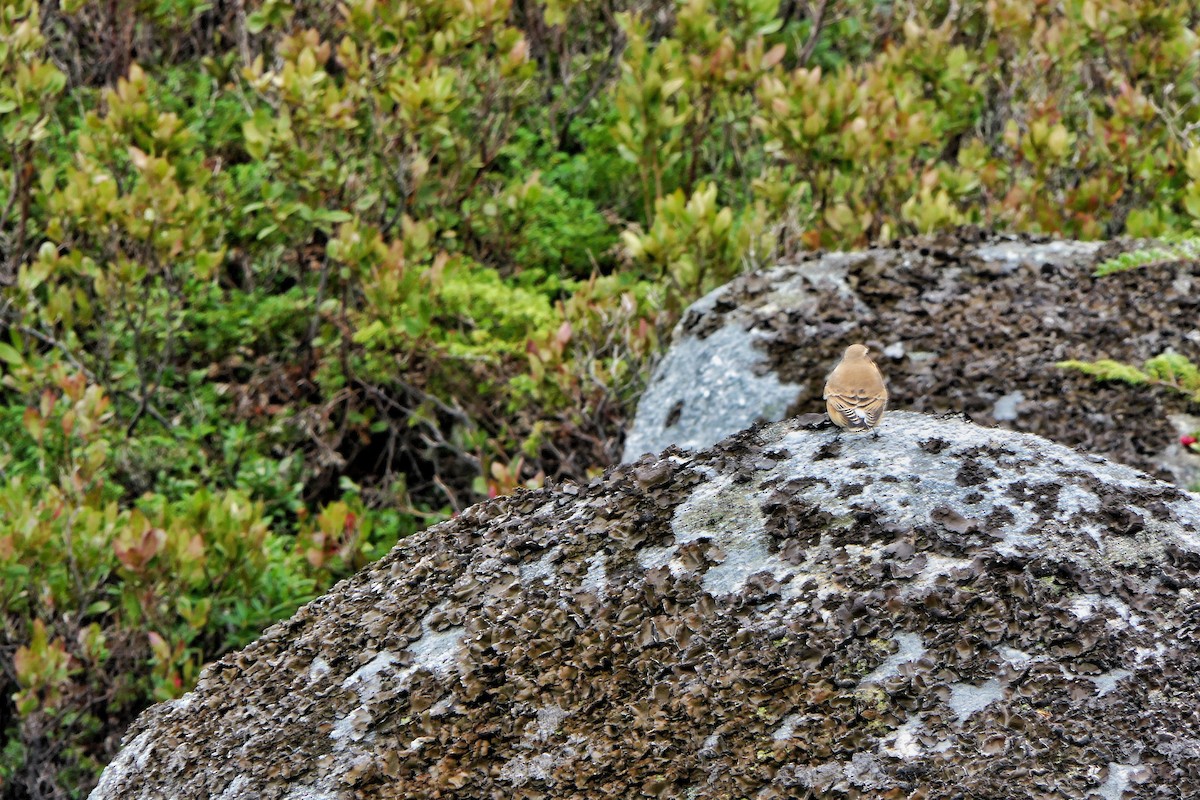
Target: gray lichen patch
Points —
{"points": [[909, 649], [595, 580], [367, 679], [354, 727], [434, 652], [786, 729], [540, 755], [542, 568], [132, 760], [966, 699], [1006, 408], [1017, 252], [720, 513], [1108, 681], [237, 789], [691, 376], [945, 611], [1120, 776]]}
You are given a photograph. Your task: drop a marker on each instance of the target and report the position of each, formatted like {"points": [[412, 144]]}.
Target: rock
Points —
{"points": [[968, 324], [943, 611]]}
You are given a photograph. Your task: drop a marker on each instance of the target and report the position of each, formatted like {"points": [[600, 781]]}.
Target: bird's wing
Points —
{"points": [[860, 408]]}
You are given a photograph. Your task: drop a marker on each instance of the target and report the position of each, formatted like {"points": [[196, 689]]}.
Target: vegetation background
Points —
{"points": [[281, 282]]}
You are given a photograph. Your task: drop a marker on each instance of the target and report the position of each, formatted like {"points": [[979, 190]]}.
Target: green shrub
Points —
{"points": [[114, 603]]}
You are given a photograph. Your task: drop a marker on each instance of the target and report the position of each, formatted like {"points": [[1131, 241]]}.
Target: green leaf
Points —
{"points": [[9, 355], [1171, 249], [332, 215], [1107, 370], [372, 331], [257, 22]]}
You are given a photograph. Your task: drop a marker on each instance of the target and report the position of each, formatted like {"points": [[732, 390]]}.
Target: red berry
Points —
{"points": [[1187, 441]]}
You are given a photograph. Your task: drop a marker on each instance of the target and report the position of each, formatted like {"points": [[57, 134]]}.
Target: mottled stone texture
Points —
{"points": [[945, 611], [966, 323]]}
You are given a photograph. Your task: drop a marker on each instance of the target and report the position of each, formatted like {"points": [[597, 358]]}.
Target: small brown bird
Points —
{"points": [[855, 396]]}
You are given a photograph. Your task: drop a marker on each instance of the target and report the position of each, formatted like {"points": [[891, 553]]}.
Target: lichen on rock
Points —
{"points": [[965, 322], [944, 611]]}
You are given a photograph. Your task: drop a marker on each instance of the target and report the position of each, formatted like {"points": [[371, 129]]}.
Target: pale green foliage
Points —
{"points": [[676, 93], [1171, 247], [821, 125], [930, 210], [30, 87], [1171, 370], [650, 107], [187, 572], [1167, 251], [1107, 370], [1176, 371], [30, 79], [697, 243]]}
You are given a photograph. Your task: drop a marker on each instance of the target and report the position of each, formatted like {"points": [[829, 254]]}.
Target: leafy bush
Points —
{"points": [[115, 603]]}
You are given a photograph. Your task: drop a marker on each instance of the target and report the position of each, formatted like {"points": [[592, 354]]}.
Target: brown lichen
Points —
{"points": [[750, 621]]}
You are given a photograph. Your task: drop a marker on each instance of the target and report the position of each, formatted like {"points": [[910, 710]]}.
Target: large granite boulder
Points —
{"points": [[961, 323], [945, 611]]}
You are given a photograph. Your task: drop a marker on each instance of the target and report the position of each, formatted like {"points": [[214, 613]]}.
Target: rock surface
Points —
{"points": [[966, 324], [946, 611]]}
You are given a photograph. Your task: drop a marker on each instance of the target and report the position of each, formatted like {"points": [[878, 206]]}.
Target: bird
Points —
{"points": [[855, 395]]}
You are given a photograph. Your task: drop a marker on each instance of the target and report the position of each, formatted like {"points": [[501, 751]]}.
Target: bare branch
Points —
{"points": [[144, 404], [818, 22]]}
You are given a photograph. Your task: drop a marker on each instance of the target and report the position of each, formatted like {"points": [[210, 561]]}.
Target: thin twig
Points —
{"points": [[950, 18], [242, 36], [315, 320], [616, 51], [12, 192], [818, 20], [26, 173], [50, 341]]}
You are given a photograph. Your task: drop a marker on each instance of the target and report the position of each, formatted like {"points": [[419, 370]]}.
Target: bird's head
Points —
{"points": [[856, 351]]}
